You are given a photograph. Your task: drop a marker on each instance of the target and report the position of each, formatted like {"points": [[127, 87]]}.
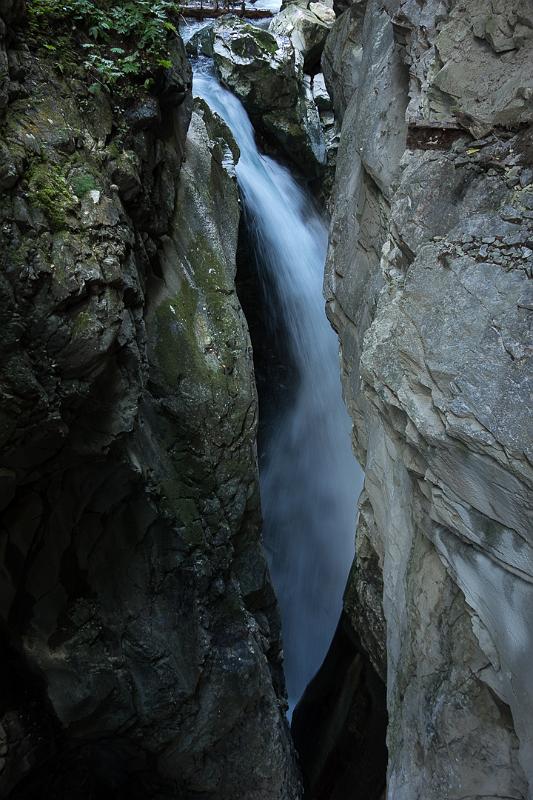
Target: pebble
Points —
{"points": [[526, 177], [513, 238]]}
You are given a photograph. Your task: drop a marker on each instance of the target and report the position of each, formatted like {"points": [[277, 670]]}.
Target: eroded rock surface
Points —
{"points": [[266, 73], [140, 635], [429, 285], [307, 27]]}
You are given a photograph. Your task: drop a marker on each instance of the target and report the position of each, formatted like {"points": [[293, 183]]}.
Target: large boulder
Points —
{"points": [[201, 42], [265, 72], [307, 27]]}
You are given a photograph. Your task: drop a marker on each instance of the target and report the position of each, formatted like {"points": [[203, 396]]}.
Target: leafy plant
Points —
{"points": [[121, 39]]}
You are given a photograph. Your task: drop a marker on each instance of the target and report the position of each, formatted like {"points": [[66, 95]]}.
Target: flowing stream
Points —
{"points": [[309, 477]]}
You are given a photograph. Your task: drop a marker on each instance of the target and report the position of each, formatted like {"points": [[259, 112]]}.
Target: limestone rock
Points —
{"points": [[320, 93], [475, 68], [341, 59], [306, 27], [265, 72], [427, 284], [331, 131]]}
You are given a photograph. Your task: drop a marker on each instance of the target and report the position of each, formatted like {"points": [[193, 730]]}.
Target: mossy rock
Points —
{"points": [[82, 183], [48, 190]]}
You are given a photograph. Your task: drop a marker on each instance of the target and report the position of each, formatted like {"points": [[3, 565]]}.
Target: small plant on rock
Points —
{"points": [[120, 39]]}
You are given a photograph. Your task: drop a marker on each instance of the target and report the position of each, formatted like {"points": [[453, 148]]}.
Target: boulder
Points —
{"points": [[201, 43], [265, 72], [307, 27]]}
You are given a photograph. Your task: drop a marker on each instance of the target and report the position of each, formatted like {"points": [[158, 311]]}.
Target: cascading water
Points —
{"points": [[309, 479]]}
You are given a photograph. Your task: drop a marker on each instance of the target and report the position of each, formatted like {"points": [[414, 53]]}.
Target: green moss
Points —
{"points": [[251, 40], [265, 39], [49, 191], [81, 322], [176, 349], [197, 328], [21, 255], [113, 150], [82, 183]]}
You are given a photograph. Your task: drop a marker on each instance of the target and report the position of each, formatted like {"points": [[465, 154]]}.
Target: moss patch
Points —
{"points": [[198, 328], [49, 191], [263, 38], [82, 322], [82, 183]]}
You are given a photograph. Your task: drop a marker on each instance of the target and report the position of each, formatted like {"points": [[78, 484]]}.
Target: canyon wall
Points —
{"points": [[139, 631], [140, 636], [428, 283]]}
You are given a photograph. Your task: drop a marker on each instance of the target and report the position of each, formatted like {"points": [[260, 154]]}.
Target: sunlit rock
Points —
{"points": [[265, 72]]}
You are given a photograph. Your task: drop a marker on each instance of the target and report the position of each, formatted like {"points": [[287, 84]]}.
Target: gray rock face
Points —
{"points": [[139, 631], [474, 68], [266, 73], [427, 282], [307, 27], [341, 60]]}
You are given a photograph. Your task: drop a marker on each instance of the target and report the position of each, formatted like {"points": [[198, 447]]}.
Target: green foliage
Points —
{"points": [[120, 39]]}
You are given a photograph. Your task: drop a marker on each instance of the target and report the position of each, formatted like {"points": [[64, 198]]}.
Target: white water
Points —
{"points": [[310, 481]]}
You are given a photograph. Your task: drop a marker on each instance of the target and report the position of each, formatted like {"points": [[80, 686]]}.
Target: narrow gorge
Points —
{"points": [[265, 400]]}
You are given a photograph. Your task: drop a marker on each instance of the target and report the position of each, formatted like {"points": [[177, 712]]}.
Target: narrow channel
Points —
{"points": [[309, 478]]}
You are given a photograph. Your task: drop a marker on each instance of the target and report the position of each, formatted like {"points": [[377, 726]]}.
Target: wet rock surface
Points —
{"points": [[428, 283], [140, 635], [266, 72]]}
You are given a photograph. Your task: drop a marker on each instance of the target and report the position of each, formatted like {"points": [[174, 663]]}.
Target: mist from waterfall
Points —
{"points": [[310, 480]]}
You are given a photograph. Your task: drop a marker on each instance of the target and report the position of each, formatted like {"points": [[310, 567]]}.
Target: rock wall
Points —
{"points": [[139, 631], [428, 283]]}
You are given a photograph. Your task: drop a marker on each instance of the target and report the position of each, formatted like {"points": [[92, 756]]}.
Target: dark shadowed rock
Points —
{"points": [[139, 631], [339, 725]]}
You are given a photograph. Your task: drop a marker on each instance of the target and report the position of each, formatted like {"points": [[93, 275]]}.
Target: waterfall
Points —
{"points": [[309, 478]]}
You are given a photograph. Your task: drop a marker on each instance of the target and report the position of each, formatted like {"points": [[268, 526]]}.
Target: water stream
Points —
{"points": [[309, 478]]}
